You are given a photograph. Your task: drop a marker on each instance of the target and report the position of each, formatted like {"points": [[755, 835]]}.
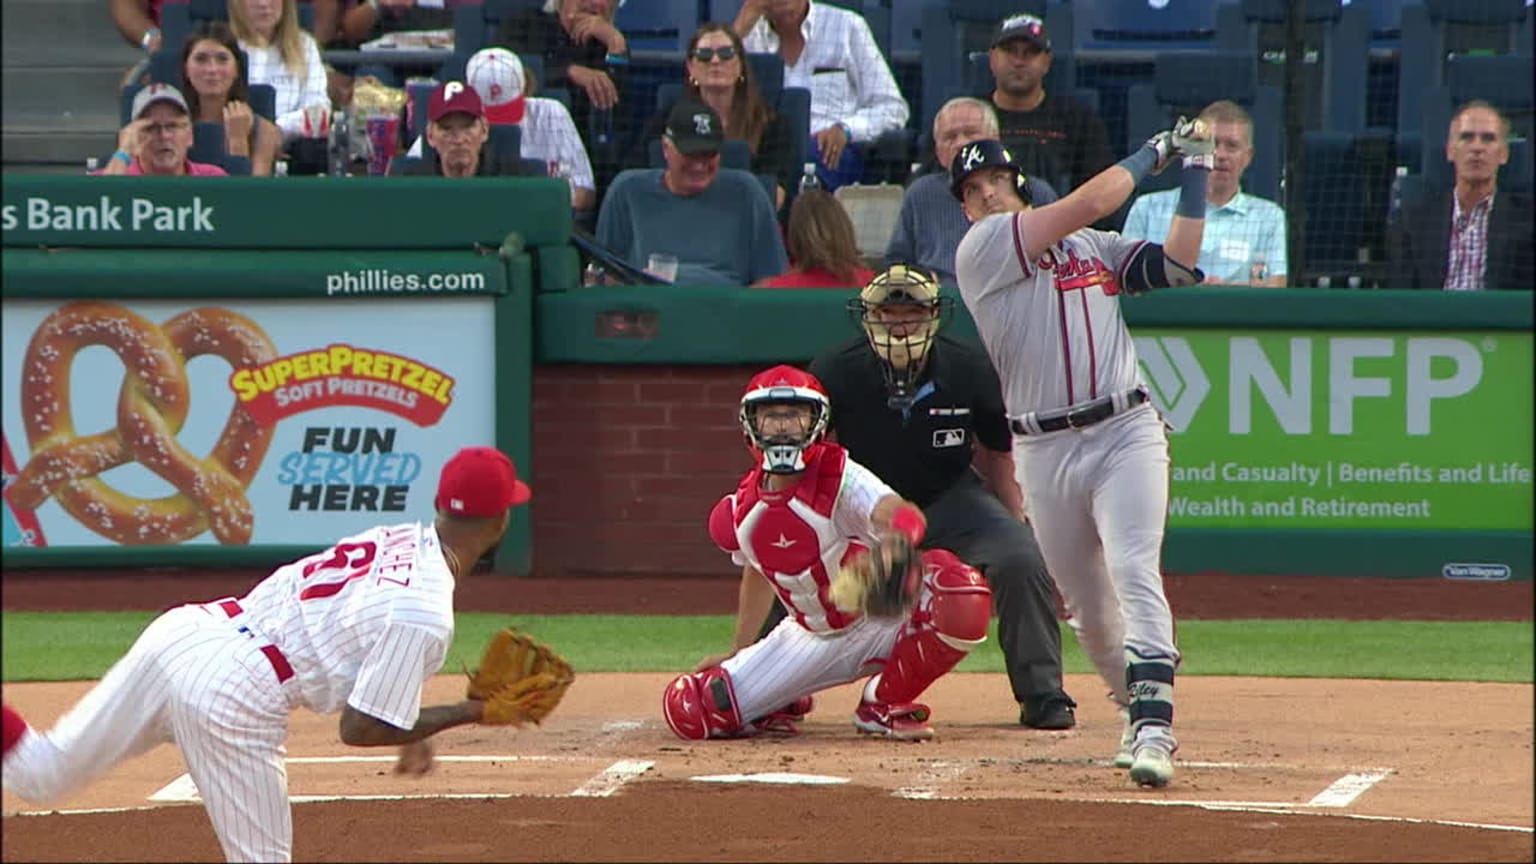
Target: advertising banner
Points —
{"points": [[260, 422], [1346, 430]]}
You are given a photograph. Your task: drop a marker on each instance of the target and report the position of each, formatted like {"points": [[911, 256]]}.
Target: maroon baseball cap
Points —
{"points": [[454, 97], [480, 481]]}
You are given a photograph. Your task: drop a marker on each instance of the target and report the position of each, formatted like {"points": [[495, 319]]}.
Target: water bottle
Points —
{"points": [[1395, 198], [280, 168], [808, 179], [339, 154], [92, 165]]}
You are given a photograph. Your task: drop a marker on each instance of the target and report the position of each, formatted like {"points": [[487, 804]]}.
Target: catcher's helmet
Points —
{"points": [[985, 154], [900, 312], [784, 452]]}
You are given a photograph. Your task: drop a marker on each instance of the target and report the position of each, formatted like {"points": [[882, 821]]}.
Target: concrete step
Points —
{"points": [[63, 149], [61, 33], [33, 97]]}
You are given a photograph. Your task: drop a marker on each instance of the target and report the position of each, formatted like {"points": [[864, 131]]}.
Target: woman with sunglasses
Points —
{"points": [[716, 72], [213, 79]]}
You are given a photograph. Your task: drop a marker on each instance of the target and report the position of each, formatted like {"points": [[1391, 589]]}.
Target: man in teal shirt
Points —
{"points": [[718, 224], [1244, 241]]}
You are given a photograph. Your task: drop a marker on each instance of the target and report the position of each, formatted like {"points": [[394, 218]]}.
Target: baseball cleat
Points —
{"points": [[1054, 713], [1127, 752], [1153, 765], [903, 721]]}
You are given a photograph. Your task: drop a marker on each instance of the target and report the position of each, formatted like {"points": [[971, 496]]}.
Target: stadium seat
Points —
{"points": [[207, 143], [733, 154], [658, 25], [1503, 80], [873, 210], [1435, 31], [907, 28], [1144, 25], [475, 24], [1344, 195], [507, 140], [1335, 78], [1184, 83], [263, 100]]}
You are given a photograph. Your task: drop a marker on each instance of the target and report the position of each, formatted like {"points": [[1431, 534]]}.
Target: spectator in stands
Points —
{"points": [[1244, 242], [822, 250], [138, 22], [368, 20], [932, 223], [831, 52], [1473, 236], [548, 133], [1053, 137], [158, 137], [213, 82], [281, 54], [582, 49], [719, 225], [716, 72], [459, 139], [326, 26]]}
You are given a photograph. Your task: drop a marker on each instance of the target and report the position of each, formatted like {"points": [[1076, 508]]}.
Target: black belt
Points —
{"points": [[1077, 418]]}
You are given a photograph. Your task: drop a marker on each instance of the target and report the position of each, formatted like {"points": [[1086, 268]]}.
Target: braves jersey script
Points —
{"points": [[365, 622], [798, 537], [1053, 325]]}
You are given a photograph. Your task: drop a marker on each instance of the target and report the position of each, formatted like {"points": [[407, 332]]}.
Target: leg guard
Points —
{"points": [[12, 727], [1149, 678], [702, 705], [951, 618]]}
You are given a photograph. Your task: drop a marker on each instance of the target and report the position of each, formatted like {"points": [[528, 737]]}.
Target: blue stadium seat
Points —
{"points": [[263, 100], [1503, 80], [207, 143], [507, 139], [658, 25], [1335, 83], [1434, 31], [1184, 83], [907, 28], [1386, 18], [1345, 208], [475, 24], [768, 74], [1144, 25]]}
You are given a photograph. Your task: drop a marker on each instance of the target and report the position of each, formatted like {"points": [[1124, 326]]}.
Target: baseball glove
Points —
{"points": [[881, 583], [520, 679]]}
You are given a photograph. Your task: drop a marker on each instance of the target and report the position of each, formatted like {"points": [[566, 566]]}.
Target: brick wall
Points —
{"points": [[628, 461]]}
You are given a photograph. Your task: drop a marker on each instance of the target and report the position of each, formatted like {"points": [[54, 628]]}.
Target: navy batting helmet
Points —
{"points": [[985, 154]]}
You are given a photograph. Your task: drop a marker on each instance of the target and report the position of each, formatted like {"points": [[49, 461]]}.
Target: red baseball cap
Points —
{"points": [[454, 97], [480, 481]]}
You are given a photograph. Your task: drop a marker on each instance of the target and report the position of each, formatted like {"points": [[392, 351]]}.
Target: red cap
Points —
{"points": [[480, 481], [454, 97]]}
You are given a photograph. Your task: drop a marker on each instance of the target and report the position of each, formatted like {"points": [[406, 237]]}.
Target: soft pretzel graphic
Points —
{"points": [[151, 408]]}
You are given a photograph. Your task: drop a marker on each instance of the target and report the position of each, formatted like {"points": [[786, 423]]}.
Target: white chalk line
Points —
{"points": [[183, 789], [926, 784], [612, 778], [1343, 791]]}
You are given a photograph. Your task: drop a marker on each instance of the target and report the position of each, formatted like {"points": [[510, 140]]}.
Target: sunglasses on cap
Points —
{"points": [[724, 52]]}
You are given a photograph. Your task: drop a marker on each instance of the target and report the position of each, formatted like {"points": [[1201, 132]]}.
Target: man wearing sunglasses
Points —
{"points": [[157, 139], [1474, 236]]}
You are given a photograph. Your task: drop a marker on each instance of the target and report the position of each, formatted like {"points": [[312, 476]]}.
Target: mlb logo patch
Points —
{"points": [[948, 437]]}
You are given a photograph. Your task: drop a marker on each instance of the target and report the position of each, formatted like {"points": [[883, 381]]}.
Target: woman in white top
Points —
{"points": [[283, 55]]}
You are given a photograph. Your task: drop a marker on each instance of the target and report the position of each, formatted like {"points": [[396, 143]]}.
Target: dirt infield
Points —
{"points": [[1271, 770]]}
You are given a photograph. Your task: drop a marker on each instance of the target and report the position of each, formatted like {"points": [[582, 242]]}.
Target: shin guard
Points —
{"points": [[702, 705], [1149, 678], [952, 614]]}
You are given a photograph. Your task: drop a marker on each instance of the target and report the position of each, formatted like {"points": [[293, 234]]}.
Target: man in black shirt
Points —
{"points": [[1050, 137], [925, 413], [582, 50]]}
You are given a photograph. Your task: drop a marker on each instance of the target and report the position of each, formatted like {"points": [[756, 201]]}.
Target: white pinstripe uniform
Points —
{"points": [[364, 623], [816, 646], [1096, 495]]}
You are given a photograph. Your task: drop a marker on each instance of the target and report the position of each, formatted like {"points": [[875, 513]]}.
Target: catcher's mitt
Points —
{"points": [[520, 679], [881, 583]]}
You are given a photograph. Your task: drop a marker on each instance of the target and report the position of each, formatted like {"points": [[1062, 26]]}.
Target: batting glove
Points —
{"points": [[1163, 145], [1194, 141]]}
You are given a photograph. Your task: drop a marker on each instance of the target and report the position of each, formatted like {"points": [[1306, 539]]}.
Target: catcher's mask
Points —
{"points": [[783, 413], [977, 155], [900, 311]]}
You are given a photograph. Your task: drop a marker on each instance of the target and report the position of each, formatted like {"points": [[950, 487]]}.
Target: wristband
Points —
{"points": [[149, 34], [909, 520], [123, 155], [1192, 183], [1140, 164], [616, 60]]}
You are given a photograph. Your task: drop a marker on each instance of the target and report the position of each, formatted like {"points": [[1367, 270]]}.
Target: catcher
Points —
{"points": [[357, 628], [837, 547]]}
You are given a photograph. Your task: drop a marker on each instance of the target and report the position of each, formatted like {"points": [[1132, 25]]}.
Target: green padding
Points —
{"points": [[340, 276], [694, 325], [293, 213], [559, 268], [1366, 554]]}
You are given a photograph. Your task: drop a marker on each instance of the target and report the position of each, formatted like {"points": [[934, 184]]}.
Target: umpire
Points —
{"points": [[925, 413]]}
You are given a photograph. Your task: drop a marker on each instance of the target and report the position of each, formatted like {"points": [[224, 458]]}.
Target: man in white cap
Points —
{"points": [[158, 137], [548, 133]]}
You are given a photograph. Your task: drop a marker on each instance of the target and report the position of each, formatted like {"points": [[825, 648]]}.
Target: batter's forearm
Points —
{"points": [[360, 730], [1182, 245]]}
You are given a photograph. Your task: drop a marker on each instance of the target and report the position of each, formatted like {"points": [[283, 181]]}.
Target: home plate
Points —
{"points": [[772, 777]]}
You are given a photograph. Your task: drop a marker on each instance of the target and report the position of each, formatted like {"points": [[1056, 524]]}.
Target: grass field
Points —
{"points": [[60, 646]]}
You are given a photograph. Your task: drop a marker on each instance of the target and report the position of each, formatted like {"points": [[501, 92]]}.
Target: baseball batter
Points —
{"points": [[1090, 451], [802, 513], [357, 628]]}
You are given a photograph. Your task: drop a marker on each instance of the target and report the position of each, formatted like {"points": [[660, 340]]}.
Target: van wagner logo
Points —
{"points": [[1179, 385], [1476, 572]]}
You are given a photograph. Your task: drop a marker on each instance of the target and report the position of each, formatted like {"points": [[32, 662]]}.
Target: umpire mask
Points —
{"points": [[900, 310]]}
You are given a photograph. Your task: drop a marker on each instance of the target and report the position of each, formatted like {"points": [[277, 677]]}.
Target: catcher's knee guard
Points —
{"points": [[702, 705], [951, 618]]}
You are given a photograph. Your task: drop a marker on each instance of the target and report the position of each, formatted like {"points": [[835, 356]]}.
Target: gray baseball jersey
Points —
{"points": [[1063, 305]]}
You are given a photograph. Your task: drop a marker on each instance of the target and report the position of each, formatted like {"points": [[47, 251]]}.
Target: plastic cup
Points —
{"points": [[662, 266], [384, 140]]}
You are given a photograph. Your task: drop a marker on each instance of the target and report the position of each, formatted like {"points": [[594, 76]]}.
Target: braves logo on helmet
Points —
{"points": [[985, 154]]}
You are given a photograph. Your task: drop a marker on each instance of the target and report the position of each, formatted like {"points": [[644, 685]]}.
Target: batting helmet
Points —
{"points": [[783, 452], [985, 154]]}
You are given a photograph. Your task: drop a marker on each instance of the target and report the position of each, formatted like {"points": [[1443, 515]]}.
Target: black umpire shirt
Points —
{"points": [[923, 451]]}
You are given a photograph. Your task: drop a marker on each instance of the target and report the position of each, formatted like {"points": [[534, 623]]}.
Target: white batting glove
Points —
{"points": [[1162, 144], [1194, 141]]}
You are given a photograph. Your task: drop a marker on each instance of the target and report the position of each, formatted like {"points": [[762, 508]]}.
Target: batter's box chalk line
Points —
{"points": [[601, 785]]}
